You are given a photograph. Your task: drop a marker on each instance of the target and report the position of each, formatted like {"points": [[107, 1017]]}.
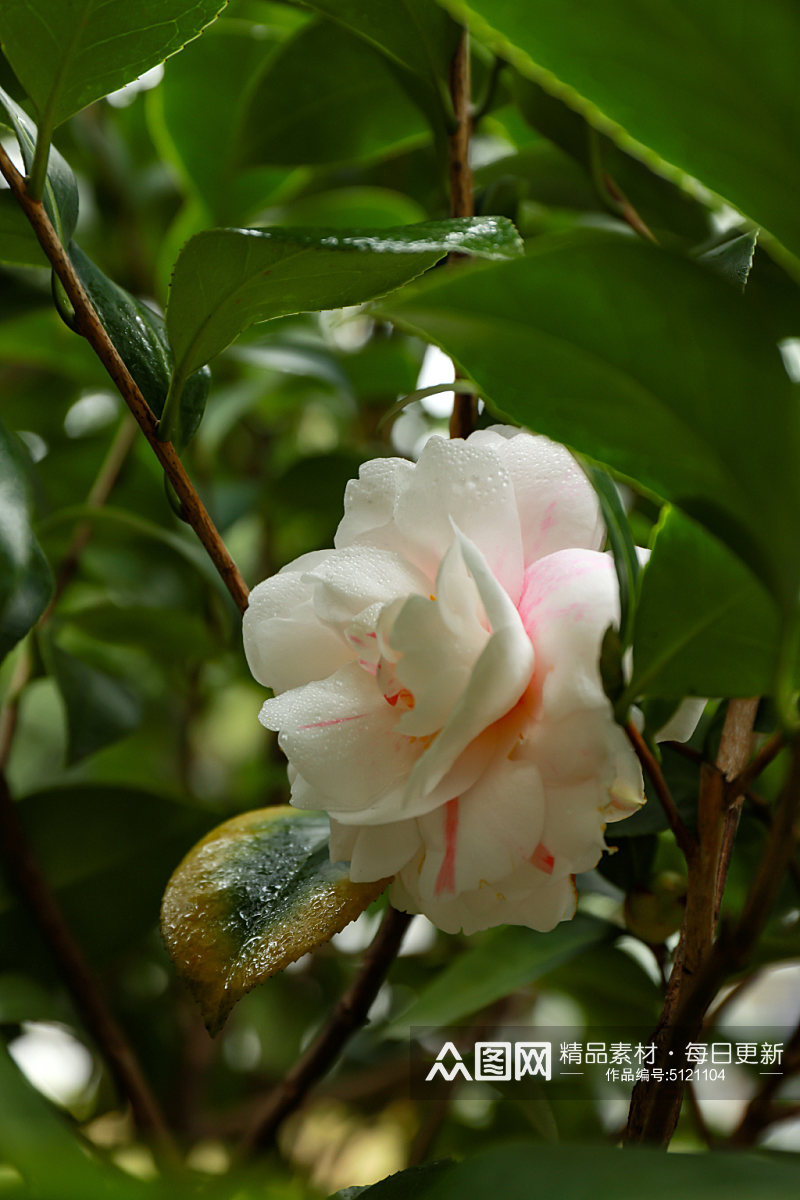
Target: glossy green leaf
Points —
{"points": [[67, 53], [704, 624], [227, 279], [646, 363], [61, 190], [419, 37], [327, 97], [254, 895], [572, 1172], [504, 960], [100, 707], [25, 578], [138, 333], [732, 119]]}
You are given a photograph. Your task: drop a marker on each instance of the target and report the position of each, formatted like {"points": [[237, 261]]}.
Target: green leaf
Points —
{"points": [[346, 207], [732, 120], [646, 363], [504, 960], [622, 546], [716, 637], [18, 243], [254, 895], [100, 708], [97, 843], [665, 207], [733, 258], [61, 190], [573, 1172], [228, 279], [67, 53], [612, 988], [419, 37], [26, 582], [412, 1184], [201, 102], [139, 335], [330, 97]]}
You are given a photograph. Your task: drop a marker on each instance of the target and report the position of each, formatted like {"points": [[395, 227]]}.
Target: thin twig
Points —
{"points": [[651, 766], [761, 760], [610, 192], [102, 488], [349, 1015], [83, 987], [462, 198], [90, 326]]}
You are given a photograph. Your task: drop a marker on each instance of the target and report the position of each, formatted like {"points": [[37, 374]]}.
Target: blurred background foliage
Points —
{"points": [[135, 714]]}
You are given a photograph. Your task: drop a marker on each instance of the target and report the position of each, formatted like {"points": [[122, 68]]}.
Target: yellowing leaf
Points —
{"points": [[254, 895]]}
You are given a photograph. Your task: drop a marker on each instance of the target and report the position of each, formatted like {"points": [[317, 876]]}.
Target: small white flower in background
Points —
{"points": [[436, 682]]}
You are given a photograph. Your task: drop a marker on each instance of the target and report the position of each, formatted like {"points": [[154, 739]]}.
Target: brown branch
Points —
{"points": [[349, 1015], [655, 1107], [734, 751], [748, 774], [654, 1116], [462, 199], [651, 766], [89, 325], [34, 891]]}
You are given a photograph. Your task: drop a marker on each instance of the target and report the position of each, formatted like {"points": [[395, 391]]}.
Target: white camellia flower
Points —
{"points": [[436, 680]]}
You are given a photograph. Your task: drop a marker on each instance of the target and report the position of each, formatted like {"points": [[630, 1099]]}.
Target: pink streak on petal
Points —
{"points": [[543, 859], [446, 879], [338, 721]]}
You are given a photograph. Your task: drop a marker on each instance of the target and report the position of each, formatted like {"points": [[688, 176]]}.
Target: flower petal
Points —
{"points": [[558, 507], [570, 599], [284, 642], [436, 642], [486, 833], [525, 897], [351, 579], [466, 483], [376, 851], [499, 677], [370, 502], [339, 734]]}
